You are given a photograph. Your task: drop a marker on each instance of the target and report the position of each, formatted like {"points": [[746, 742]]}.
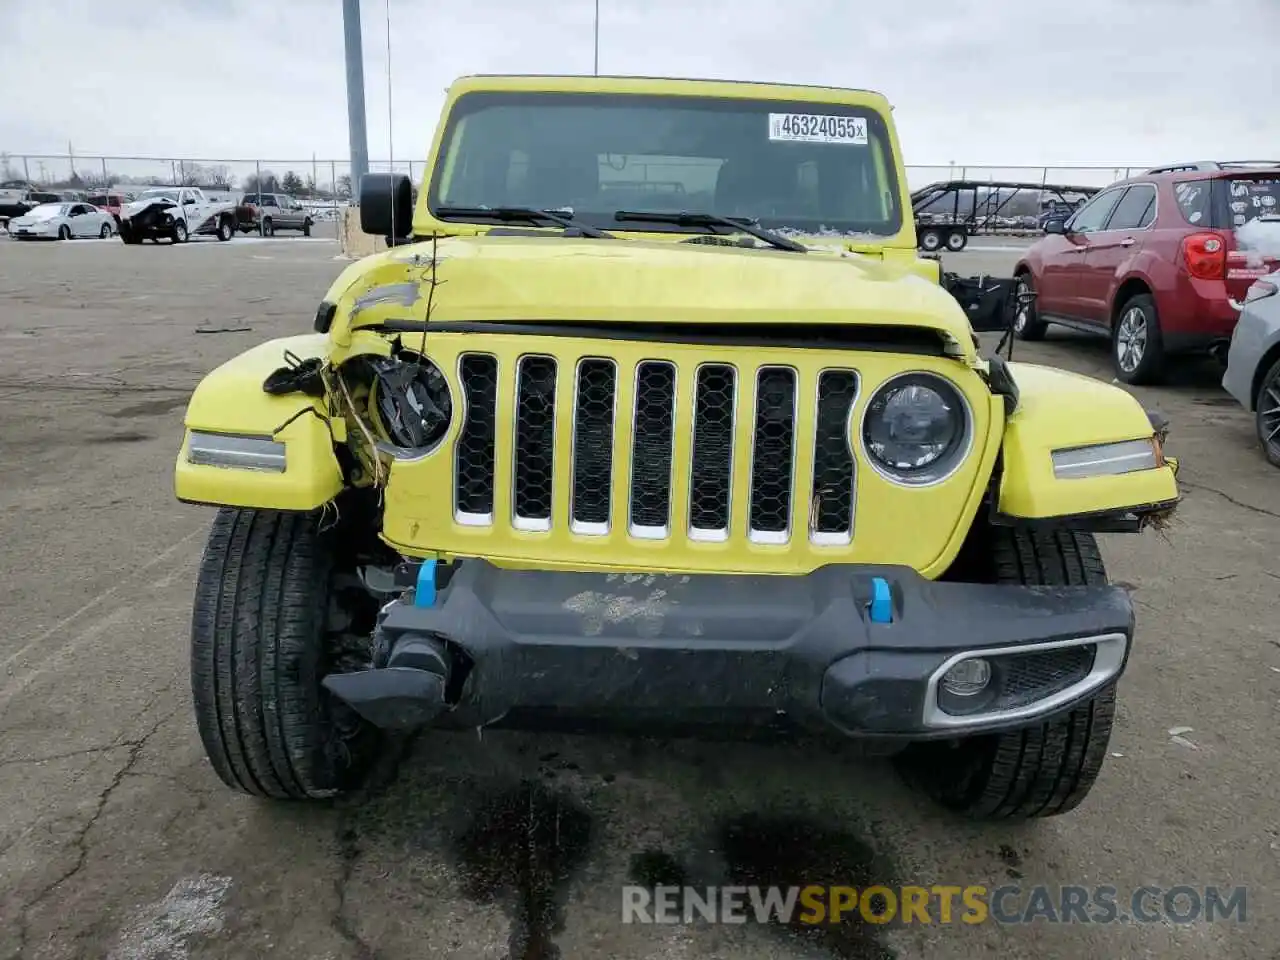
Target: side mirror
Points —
{"points": [[386, 205], [189, 200], [1055, 226]]}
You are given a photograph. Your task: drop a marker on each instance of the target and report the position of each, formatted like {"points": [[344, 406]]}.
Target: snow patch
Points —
{"points": [[161, 931]]}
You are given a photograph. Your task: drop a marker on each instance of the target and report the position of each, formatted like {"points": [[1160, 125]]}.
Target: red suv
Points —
{"points": [[1151, 263]]}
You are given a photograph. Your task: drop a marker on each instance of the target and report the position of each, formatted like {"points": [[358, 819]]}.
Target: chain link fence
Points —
{"points": [[329, 181]]}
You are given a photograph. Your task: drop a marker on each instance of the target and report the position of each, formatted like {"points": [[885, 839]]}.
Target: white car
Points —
{"points": [[176, 214], [62, 221]]}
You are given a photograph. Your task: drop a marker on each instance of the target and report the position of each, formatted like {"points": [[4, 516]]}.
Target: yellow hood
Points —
{"points": [[553, 278]]}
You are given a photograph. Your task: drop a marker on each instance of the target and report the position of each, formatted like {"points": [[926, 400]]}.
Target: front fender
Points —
{"points": [[230, 401], [1058, 410]]}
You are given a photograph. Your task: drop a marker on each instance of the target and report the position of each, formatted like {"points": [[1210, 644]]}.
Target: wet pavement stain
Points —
{"points": [[791, 850], [656, 868], [149, 408], [521, 849], [130, 436]]}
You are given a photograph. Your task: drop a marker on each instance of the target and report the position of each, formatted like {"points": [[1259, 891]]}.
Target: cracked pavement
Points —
{"points": [[117, 841]]}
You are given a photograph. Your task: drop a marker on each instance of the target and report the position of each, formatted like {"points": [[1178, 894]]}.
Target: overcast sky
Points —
{"points": [[1107, 82]]}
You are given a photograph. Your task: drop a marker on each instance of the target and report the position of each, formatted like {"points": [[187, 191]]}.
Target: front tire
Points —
{"points": [[179, 232], [267, 229], [1267, 414], [1137, 348], [105, 232], [306, 228], [64, 232], [225, 229], [263, 636], [1038, 771], [1027, 324]]}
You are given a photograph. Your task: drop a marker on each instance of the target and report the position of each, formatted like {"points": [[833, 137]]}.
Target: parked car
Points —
{"points": [[268, 212], [18, 197], [113, 203], [62, 221], [1253, 360], [1147, 262], [176, 213]]}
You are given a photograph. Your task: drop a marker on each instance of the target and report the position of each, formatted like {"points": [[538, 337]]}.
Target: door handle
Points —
{"points": [[1128, 242]]}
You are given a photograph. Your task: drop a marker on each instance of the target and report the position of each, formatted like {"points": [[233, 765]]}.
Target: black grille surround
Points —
{"points": [[712, 431], [595, 398], [652, 447], [534, 442], [474, 452]]}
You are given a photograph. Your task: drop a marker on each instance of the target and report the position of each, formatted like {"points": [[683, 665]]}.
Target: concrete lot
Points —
{"points": [[116, 840]]}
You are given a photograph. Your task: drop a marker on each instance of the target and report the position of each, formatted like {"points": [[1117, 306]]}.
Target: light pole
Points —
{"points": [[357, 135], [595, 47]]}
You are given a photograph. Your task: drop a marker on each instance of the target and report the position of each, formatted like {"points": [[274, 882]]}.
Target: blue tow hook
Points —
{"points": [[881, 606], [425, 593]]}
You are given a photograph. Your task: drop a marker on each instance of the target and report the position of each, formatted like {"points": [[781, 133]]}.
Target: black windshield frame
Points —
{"points": [[891, 226]]}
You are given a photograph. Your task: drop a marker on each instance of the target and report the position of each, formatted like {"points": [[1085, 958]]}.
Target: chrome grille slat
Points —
{"points": [[772, 455], [652, 443], [831, 514], [595, 400], [474, 451], [711, 462], [534, 460]]}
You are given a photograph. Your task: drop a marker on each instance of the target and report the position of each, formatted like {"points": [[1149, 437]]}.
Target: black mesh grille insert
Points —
{"points": [[832, 459], [593, 440], [651, 446], [1028, 677], [774, 449], [474, 474], [535, 437], [711, 471]]}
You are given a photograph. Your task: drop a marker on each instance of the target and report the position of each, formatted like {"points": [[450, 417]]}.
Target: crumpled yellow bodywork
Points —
{"points": [[230, 400], [1059, 410]]}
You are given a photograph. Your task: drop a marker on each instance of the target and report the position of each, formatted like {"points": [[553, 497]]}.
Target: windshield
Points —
{"points": [[159, 194], [809, 168], [46, 211]]}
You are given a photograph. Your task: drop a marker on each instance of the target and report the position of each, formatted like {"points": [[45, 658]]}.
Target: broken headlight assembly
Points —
{"points": [[409, 402], [916, 429]]}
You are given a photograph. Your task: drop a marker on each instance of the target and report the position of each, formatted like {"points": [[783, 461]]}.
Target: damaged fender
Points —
{"points": [[1059, 411], [247, 448]]}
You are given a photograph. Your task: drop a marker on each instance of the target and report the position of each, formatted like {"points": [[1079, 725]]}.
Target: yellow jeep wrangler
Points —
{"points": [[650, 420]]}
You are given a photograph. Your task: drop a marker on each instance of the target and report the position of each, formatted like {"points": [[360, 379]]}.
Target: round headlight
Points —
{"points": [[915, 428]]}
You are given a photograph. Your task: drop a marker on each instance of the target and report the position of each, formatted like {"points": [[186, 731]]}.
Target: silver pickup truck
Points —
{"points": [[265, 213]]}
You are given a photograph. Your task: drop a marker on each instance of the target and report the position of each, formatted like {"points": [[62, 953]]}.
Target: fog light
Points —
{"points": [[968, 678]]}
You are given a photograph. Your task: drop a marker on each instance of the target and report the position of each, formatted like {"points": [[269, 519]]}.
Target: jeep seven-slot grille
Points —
{"points": [[769, 398]]}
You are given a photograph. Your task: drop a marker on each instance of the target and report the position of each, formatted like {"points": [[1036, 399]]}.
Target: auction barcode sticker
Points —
{"points": [[815, 128]]}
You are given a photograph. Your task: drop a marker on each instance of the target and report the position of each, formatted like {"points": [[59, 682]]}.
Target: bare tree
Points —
{"points": [[343, 186], [220, 176]]}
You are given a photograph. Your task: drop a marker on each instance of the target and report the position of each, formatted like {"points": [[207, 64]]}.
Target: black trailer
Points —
{"points": [[948, 213]]}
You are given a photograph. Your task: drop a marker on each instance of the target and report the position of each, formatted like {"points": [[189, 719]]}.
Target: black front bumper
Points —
{"points": [[643, 653]]}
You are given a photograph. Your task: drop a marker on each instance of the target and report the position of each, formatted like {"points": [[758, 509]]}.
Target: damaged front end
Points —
{"points": [[148, 220]]}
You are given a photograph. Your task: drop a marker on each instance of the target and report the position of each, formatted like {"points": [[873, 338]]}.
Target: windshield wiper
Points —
{"points": [[528, 214], [743, 224]]}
